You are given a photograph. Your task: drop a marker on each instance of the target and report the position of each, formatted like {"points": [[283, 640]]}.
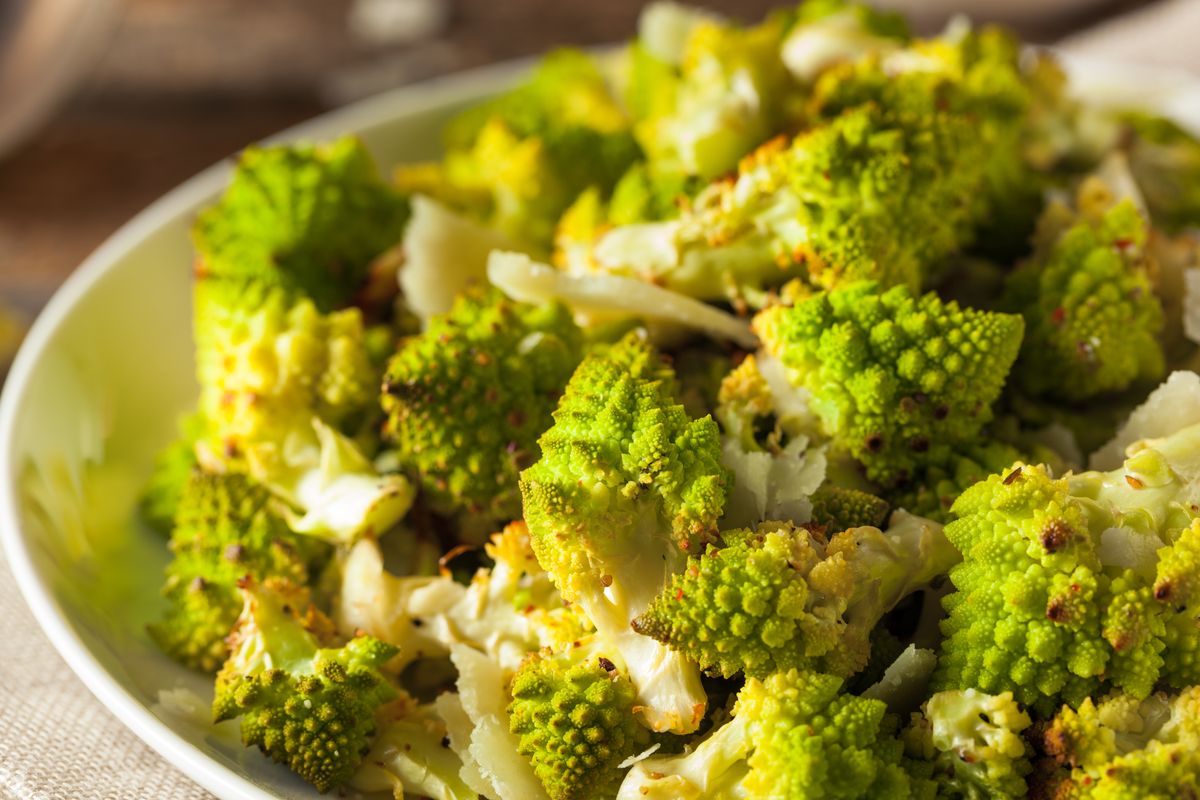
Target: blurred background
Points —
{"points": [[106, 104]]}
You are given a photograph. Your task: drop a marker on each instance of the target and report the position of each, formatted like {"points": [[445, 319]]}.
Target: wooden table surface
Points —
{"points": [[187, 82]]}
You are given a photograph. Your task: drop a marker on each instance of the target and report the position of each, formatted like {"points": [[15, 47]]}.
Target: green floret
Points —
{"points": [[1092, 319], [304, 705], [307, 219], [1068, 586], [626, 485], [1126, 749], [574, 714], [1177, 588], [517, 162], [282, 389], [834, 205], [706, 100], [467, 399], [898, 382], [793, 735], [973, 742], [836, 508], [975, 75], [1165, 161], [781, 597], [225, 529]]}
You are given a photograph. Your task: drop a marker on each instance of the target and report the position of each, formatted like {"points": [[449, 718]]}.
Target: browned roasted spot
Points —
{"points": [[1055, 535]]}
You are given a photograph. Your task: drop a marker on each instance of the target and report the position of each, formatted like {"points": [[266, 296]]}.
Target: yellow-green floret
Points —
{"points": [[625, 486], [516, 162], [267, 367], [1165, 161], [1070, 585], [1092, 319], [467, 399], [793, 735], [225, 529], [310, 707], [308, 219], [898, 382], [1123, 748], [573, 713], [783, 597], [973, 743], [934, 494]]}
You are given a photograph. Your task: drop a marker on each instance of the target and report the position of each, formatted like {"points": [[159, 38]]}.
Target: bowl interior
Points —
{"points": [[97, 391]]}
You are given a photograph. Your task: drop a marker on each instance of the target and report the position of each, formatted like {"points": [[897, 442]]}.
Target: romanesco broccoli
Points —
{"points": [[225, 529], [626, 485], [310, 707], [898, 382]]}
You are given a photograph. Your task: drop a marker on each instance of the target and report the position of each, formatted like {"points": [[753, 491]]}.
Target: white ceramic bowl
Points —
{"points": [[98, 385]]}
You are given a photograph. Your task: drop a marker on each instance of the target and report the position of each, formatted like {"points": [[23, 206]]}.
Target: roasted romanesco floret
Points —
{"points": [[468, 398], [1125, 749], [832, 206], [793, 735], [1165, 161], [307, 706], [574, 714], [626, 485], [974, 743], [1066, 584], [783, 597], [305, 219], [897, 381], [225, 530], [836, 508], [1092, 320]]}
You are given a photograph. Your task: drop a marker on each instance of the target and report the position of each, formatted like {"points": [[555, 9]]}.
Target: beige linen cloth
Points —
{"points": [[58, 743]]}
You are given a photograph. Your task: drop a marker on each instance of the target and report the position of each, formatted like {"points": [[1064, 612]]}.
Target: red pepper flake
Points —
{"points": [[1058, 316], [679, 594], [1012, 476], [1134, 482]]}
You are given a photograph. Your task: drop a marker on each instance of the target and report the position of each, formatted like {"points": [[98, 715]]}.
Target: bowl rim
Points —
{"points": [[1176, 88], [413, 99]]}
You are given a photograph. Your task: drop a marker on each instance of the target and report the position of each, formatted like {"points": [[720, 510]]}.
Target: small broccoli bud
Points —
{"points": [[932, 493], [781, 597], [226, 528], [306, 219], [305, 706], [1092, 318], [974, 741], [626, 485], [897, 381], [574, 715], [836, 508], [172, 469], [467, 399], [1126, 748]]}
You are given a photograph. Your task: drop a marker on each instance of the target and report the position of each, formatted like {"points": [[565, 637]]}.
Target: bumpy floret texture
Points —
{"points": [[837, 508], [626, 485], [310, 707], [307, 219], [574, 716], [1068, 585], [1125, 749], [621, 449], [468, 398], [897, 381], [1091, 316], [173, 468], [783, 597], [974, 742], [225, 529], [267, 368], [934, 494]]}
